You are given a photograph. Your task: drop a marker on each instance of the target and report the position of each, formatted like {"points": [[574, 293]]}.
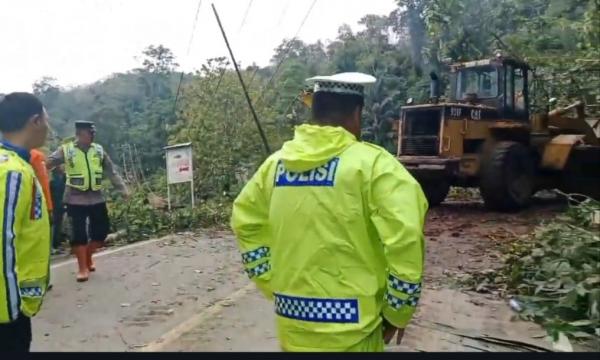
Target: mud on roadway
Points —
{"points": [[188, 292]]}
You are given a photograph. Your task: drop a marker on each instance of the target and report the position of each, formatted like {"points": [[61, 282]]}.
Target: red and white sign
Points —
{"points": [[179, 164]]}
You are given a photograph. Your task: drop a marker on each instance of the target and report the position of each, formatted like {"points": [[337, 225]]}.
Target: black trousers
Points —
{"points": [[16, 336], [99, 223]]}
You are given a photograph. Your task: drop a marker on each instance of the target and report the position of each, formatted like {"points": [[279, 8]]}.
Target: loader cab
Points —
{"points": [[500, 83]]}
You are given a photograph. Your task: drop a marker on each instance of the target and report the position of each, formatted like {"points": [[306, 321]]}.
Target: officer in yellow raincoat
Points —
{"points": [[331, 229], [25, 235]]}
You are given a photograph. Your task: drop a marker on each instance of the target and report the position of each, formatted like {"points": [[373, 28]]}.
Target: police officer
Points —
{"points": [[86, 164], [25, 234], [331, 229]]}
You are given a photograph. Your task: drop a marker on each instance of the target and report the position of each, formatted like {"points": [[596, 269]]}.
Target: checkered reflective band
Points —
{"points": [[403, 286], [396, 303], [36, 209], [317, 310], [339, 88], [31, 291], [258, 270], [254, 255]]}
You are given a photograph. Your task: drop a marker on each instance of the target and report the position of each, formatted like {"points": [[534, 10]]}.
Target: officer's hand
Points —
{"points": [[389, 331]]}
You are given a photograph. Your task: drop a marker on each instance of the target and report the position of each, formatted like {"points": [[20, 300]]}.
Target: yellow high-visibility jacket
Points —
{"points": [[25, 245], [331, 229], [84, 169]]}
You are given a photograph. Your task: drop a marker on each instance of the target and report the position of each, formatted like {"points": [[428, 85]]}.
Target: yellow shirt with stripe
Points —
{"points": [[331, 229], [25, 239]]}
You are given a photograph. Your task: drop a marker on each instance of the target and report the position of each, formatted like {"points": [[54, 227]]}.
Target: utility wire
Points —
{"points": [[286, 53], [281, 16], [216, 90], [283, 13], [177, 93], [240, 30], [189, 47], [291, 104], [245, 16]]}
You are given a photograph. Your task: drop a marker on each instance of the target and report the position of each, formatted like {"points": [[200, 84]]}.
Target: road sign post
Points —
{"points": [[180, 168]]}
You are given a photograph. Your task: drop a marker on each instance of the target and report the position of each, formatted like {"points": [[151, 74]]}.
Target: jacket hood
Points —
{"points": [[313, 146]]}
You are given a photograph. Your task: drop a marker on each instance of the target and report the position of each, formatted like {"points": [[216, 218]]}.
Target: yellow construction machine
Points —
{"points": [[483, 135]]}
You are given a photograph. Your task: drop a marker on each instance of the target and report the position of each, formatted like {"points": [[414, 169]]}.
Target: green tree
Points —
{"points": [[158, 59], [214, 116]]}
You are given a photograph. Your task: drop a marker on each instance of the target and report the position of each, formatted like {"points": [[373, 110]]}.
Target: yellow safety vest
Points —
{"points": [[84, 169], [331, 229], [25, 260]]}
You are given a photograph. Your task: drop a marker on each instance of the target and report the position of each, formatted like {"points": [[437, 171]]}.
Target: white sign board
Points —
{"points": [[179, 164], [179, 167]]}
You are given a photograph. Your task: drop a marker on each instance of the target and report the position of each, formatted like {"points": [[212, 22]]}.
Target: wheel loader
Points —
{"points": [[483, 135]]}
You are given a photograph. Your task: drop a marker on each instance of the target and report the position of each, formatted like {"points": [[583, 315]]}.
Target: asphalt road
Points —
{"points": [[188, 292]]}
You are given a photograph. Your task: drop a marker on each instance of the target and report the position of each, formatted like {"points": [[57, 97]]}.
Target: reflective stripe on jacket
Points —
{"points": [[25, 245]]}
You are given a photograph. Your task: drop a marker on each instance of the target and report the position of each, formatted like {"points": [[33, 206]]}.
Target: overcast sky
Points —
{"points": [[80, 41]]}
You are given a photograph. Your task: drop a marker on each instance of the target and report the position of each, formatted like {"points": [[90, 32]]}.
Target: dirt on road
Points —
{"points": [[188, 292]]}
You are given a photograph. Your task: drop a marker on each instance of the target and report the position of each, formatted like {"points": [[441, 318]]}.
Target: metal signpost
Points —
{"points": [[179, 167]]}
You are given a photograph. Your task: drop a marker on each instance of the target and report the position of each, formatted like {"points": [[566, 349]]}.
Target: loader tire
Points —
{"points": [[435, 192], [507, 178]]}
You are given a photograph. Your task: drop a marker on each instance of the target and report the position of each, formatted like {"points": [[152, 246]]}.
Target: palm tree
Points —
{"points": [[382, 109]]}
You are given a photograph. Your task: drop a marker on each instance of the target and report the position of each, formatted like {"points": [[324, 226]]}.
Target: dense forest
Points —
{"points": [[142, 110]]}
